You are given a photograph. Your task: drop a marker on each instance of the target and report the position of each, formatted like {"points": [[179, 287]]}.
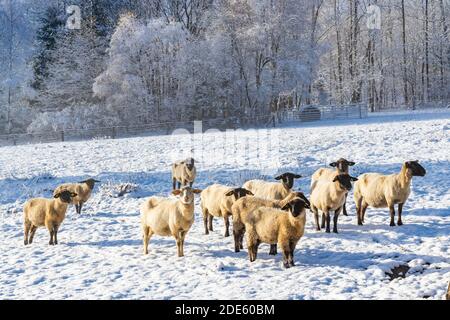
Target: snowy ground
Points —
{"points": [[99, 256]]}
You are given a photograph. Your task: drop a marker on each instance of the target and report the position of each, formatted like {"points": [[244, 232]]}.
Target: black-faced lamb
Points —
{"points": [[381, 191]]}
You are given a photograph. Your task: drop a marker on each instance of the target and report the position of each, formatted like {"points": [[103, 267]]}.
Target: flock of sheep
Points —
{"points": [[266, 212]]}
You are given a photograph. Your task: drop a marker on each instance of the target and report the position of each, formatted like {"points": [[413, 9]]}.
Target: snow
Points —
{"points": [[100, 251]]}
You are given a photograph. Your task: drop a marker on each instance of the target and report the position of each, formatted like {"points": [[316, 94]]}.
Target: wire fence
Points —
{"points": [[304, 114]]}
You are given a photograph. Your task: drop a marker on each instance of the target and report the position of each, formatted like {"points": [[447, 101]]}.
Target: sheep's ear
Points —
{"points": [[229, 193], [96, 180], [73, 194], [351, 163], [279, 177], [249, 192], [197, 190], [286, 206], [57, 195], [176, 192], [306, 204], [354, 179], [296, 176], [333, 164], [335, 179]]}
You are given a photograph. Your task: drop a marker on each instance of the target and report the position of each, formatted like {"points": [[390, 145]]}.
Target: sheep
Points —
{"points": [[274, 226], [246, 205], [341, 166], [83, 189], [329, 196], [183, 172], [381, 191], [216, 201], [39, 212], [169, 217], [272, 190]]}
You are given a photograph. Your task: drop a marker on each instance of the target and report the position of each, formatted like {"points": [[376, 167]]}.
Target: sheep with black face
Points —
{"points": [[183, 173], [385, 191], [40, 212], [246, 205], [329, 196], [169, 217], [216, 201], [83, 189], [272, 190], [342, 166], [275, 226]]}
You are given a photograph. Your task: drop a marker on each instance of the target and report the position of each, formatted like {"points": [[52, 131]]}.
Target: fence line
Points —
{"points": [[307, 113]]}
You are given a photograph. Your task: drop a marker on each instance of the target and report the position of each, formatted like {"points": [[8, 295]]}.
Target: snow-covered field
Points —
{"points": [[100, 252]]}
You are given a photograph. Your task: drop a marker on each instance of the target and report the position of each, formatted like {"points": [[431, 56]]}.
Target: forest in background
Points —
{"points": [[140, 61]]}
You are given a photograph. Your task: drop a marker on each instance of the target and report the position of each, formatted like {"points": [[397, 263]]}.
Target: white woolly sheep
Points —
{"points": [[40, 212], [342, 166], [246, 205], [83, 190], [381, 191], [183, 173], [216, 201], [169, 217], [272, 190], [329, 196], [274, 226]]}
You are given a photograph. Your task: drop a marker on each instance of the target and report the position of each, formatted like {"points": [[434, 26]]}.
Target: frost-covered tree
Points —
{"points": [[139, 81]]}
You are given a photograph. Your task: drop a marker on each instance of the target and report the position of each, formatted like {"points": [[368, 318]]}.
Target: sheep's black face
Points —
{"points": [[239, 193], [65, 196], [415, 168], [288, 179], [190, 163], [345, 181], [304, 198], [297, 207], [342, 164]]}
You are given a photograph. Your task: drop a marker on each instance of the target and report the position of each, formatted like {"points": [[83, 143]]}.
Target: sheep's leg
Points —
{"points": [[179, 242], [241, 239], [286, 255], [52, 232], [316, 217], [335, 219], [210, 222], [273, 249], [205, 219], [76, 208], [344, 209], [32, 232], [392, 212], [146, 237], [191, 184], [182, 236], [227, 224], [80, 205], [55, 233], [328, 217], [400, 209], [252, 244], [26, 231], [292, 245], [363, 211], [323, 220], [358, 203], [237, 242], [179, 184]]}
